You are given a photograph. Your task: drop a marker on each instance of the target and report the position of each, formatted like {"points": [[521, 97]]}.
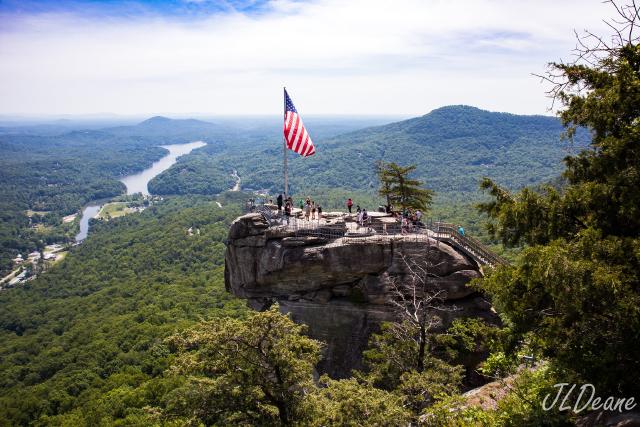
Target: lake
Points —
{"points": [[138, 183]]}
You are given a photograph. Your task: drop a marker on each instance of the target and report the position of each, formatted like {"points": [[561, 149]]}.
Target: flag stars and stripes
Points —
{"points": [[295, 133]]}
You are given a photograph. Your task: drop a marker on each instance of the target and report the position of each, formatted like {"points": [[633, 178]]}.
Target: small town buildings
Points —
{"points": [[50, 256]]}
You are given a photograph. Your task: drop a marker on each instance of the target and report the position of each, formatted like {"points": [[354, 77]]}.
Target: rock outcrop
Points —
{"points": [[339, 287]]}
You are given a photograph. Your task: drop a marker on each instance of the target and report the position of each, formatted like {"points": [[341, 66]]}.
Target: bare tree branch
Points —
{"points": [[418, 302], [592, 51]]}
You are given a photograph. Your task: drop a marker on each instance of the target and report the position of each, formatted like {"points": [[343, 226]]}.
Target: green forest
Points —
{"points": [[108, 337], [55, 176], [135, 328], [84, 340]]}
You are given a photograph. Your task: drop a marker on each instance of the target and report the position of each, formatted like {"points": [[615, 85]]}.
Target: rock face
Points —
{"points": [[339, 287]]}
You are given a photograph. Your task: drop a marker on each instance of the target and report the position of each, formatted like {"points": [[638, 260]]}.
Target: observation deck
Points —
{"points": [[379, 226]]}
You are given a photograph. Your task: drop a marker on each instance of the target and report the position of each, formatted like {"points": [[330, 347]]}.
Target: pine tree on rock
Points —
{"points": [[400, 190]]}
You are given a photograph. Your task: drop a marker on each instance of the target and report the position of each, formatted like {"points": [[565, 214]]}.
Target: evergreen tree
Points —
{"points": [[400, 190], [577, 286]]}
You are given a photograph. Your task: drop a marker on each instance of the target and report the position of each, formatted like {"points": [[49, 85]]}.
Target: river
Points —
{"points": [[138, 183]]}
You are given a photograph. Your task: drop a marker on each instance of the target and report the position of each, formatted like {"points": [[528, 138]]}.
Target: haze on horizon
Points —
{"points": [[208, 58]]}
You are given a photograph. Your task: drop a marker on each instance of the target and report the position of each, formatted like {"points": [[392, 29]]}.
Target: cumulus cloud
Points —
{"points": [[351, 57]]}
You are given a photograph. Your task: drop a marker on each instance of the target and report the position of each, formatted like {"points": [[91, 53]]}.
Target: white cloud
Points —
{"points": [[362, 57]]}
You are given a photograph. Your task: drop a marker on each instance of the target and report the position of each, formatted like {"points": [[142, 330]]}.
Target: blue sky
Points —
{"points": [[103, 8], [232, 57]]}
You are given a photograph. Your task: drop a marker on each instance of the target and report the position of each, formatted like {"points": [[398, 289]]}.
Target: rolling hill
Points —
{"points": [[453, 147]]}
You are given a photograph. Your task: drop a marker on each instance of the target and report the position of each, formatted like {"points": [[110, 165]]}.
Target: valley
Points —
{"points": [[319, 214], [138, 278], [135, 184], [450, 163]]}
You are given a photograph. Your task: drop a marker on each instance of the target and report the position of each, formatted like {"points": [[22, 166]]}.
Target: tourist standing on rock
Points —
{"points": [[365, 217], [319, 212], [287, 209], [307, 210], [461, 230], [279, 200], [313, 210], [349, 204]]}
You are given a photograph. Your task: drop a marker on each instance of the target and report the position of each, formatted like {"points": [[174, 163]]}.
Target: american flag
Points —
{"points": [[294, 131]]}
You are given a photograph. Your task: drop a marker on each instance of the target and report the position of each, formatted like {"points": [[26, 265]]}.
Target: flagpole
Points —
{"points": [[284, 148]]}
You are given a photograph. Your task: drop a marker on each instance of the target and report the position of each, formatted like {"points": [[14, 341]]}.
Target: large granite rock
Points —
{"points": [[340, 287]]}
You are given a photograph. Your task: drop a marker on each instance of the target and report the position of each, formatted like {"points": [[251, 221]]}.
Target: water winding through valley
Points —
{"points": [[138, 183]]}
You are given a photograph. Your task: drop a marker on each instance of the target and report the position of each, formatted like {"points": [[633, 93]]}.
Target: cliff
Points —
{"points": [[339, 286]]}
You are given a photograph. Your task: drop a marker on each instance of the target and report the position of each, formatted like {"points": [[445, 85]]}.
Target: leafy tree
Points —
{"points": [[392, 365], [351, 403], [252, 371], [577, 285], [399, 189], [468, 341]]}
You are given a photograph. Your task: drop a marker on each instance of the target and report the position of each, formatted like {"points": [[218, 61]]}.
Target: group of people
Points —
{"points": [[311, 210], [412, 216], [362, 217], [287, 204], [409, 218]]}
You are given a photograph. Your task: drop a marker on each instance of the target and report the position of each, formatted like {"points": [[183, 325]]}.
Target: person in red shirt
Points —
{"points": [[349, 204]]}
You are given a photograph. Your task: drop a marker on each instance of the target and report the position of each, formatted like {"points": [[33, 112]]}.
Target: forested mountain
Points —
{"points": [[166, 129], [134, 326], [55, 173], [453, 147]]}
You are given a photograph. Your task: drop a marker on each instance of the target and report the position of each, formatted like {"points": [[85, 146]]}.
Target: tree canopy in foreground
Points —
{"points": [[576, 287]]}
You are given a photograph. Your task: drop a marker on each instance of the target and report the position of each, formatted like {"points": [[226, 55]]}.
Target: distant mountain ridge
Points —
{"points": [[165, 128], [453, 148], [462, 121], [163, 121]]}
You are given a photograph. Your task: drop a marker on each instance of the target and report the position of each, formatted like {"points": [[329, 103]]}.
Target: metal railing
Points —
{"points": [[270, 216], [372, 230], [474, 248]]}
